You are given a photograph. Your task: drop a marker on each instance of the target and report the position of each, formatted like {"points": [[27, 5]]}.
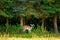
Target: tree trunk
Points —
{"points": [[43, 21], [24, 21], [21, 21], [7, 24], [55, 24], [7, 21]]}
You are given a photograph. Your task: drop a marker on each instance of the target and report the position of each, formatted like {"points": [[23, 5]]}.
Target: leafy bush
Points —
{"points": [[10, 29], [40, 31], [14, 29], [2, 29]]}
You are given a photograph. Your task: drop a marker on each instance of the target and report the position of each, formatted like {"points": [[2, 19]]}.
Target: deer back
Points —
{"points": [[26, 26]]}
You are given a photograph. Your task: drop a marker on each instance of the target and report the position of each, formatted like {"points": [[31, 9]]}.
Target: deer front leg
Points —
{"points": [[23, 30], [29, 30]]}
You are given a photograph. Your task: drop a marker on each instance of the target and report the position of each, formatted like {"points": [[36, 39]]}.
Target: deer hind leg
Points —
{"points": [[25, 30]]}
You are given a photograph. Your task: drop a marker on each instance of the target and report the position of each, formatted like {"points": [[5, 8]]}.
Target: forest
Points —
{"points": [[44, 14]]}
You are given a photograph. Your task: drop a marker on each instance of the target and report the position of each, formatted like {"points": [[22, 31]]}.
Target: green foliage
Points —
{"points": [[14, 29], [40, 31], [22, 8], [2, 29], [2, 13], [26, 35], [47, 7], [6, 6], [48, 1], [11, 29]]}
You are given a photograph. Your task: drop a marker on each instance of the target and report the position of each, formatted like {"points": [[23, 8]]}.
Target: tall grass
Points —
{"points": [[16, 31]]}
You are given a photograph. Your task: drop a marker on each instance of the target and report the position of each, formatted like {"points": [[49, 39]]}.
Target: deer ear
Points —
{"points": [[30, 24]]}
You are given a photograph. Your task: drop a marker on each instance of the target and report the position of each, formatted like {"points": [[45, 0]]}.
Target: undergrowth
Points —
{"points": [[16, 31]]}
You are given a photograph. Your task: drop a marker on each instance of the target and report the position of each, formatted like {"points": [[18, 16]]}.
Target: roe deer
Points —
{"points": [[26, 27]]}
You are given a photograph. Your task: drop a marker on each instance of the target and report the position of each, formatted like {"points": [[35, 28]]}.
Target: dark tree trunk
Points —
{"points": [[43, 21], [21, 21], [24, 21], [7, 24], [7, 21], [55, 24]]}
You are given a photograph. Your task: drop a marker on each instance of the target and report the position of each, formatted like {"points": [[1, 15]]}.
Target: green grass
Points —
{"points": [[15, 31], [30, 35]]}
